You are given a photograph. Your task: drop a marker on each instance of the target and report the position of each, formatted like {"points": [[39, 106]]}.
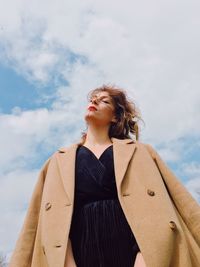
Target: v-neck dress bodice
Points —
{"points": [[100, 233]]}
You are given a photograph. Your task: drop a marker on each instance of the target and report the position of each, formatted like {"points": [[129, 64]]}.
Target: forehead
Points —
{"points": [[101, 94]]}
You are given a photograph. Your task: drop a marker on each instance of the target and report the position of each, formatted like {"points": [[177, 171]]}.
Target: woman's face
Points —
{"points": [[100, 109]]}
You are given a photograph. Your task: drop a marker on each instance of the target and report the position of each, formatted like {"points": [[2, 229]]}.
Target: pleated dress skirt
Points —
{"points": [[99, 233]]}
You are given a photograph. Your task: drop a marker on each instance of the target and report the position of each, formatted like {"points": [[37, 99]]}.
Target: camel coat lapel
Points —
{"points": [[123, 151], [66, 164]]}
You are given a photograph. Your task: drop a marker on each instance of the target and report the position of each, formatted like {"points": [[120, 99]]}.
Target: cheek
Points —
{"points": [[109, 113]]}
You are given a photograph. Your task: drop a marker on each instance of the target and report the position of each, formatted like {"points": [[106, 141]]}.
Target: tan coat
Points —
{"points": [[163, 216]]}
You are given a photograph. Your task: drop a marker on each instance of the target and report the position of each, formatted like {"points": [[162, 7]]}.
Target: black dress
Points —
{"points": [[100, 233]]}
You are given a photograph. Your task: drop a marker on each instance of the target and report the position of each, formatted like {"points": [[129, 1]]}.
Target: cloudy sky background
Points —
{"points": [[53, 53]]}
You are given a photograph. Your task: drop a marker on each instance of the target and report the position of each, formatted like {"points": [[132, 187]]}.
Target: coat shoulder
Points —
{"points": [[145, 146], [65, 149]]}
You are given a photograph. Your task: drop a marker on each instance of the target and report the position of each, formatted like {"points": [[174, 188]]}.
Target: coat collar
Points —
{"points": [[123, 150]]}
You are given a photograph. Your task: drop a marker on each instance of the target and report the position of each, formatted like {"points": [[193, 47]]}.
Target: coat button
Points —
{"points": [[172, 225], [125, 194], [43, 250], [150, 192], [47, 206], [58, 246], [68, 204]]}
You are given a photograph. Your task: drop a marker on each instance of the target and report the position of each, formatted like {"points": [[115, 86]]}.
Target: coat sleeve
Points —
{"points": [[22, 254], [186, 205]]}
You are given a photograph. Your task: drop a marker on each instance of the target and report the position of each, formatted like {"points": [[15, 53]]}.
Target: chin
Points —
{"points": [[88, 116]]}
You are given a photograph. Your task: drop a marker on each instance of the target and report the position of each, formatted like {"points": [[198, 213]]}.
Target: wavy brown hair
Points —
{"points": [[126, 113]]}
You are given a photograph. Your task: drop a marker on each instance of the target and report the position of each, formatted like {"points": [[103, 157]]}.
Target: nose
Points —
{"points": [[95, 100]]}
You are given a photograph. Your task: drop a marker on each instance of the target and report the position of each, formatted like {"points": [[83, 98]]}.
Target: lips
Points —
{"points": [[92, 108]]}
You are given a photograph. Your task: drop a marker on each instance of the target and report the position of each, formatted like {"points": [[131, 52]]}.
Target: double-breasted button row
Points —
{"points": [[150, 192], [48, 205]]}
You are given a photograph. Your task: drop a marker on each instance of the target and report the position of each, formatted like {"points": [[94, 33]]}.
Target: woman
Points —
{"points": [[109, 200]]}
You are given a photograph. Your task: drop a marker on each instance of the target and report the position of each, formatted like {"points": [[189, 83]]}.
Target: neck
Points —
{"points": [[97, 136]]}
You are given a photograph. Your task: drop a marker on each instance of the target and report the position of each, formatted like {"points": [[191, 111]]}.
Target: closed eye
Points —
{"points": [[105, 101]]}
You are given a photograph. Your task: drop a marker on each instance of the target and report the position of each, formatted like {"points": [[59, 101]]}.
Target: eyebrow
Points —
{"points": [[104, 96]]}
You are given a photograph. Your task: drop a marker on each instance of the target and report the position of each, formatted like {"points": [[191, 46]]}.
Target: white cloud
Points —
{"points": [[16, 203], [21, 133]]}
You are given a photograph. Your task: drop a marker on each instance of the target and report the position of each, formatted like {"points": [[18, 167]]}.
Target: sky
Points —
{"points": [[52, 53]]}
